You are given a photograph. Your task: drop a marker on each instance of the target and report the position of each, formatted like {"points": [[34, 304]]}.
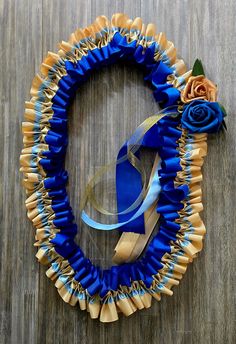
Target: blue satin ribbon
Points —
{"points": [[129, 187], [129, 183], [152, 195]]}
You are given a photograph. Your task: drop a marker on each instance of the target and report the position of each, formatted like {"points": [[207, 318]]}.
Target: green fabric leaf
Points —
{"points": [[224, 125], [198, 68], [223, 110]]}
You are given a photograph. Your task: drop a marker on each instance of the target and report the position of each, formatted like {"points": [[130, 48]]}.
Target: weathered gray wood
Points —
{"points": [[106, 110]]}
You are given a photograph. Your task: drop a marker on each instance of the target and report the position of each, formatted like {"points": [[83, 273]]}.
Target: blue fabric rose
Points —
{"points": [[201, 116]]}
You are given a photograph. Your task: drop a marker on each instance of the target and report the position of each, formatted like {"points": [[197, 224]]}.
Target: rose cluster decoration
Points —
{"points": [[201, 113]]}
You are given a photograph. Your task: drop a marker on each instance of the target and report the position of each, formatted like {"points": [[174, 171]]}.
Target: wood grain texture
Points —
{"points": [[106, 110]]}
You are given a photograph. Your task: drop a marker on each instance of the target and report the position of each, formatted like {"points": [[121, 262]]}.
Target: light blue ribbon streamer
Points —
{"points": [[150, 198]]}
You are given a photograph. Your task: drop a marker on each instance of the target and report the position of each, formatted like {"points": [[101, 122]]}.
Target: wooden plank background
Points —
{"points": [[106, 110]]}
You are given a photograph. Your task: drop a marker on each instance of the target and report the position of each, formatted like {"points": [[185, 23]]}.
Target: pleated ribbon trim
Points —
{"points": [[131, 286]]}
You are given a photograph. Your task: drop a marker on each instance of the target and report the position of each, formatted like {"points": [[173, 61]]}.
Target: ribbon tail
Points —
{"points": [[152, 195]]}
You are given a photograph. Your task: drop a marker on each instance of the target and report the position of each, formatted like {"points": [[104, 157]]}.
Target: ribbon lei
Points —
{"points": [[133, 198]]}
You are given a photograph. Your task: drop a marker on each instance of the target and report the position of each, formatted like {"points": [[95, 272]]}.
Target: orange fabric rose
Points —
{"points": [[199, 87]]}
